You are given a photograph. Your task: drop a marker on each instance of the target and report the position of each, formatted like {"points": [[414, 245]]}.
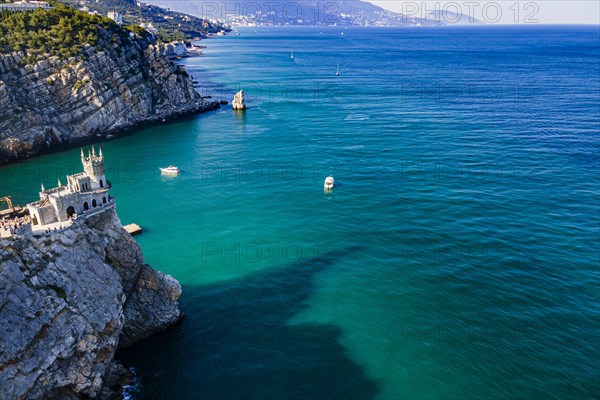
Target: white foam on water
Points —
{"points": [[357, 117]]}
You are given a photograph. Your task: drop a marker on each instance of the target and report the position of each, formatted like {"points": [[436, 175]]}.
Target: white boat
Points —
{"points": [[292, 55], [170, 170], [329, 182], [337, 70]]}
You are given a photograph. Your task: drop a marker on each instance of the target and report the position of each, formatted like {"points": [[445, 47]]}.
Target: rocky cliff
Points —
{"points": [[68, 300], [105, 89]]}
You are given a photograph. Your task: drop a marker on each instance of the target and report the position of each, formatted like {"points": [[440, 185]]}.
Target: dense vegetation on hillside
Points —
{"points": [[170, 25], [60, 31]]}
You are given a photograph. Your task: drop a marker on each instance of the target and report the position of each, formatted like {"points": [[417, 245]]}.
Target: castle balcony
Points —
{"points": [[103, 189]]}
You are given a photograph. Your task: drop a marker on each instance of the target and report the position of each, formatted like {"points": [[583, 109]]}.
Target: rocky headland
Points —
{"points": [[121, 80], [68, 301]]}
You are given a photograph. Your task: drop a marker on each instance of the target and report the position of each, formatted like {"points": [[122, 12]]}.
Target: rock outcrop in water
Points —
{"points": [[239, 101], [68, 300], [107, 89]]}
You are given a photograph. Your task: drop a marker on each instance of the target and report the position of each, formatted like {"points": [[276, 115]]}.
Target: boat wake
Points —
{"points": [[357, 117]]}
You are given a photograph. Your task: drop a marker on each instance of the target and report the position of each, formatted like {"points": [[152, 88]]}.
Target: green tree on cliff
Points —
{"points": [[60, 31]]}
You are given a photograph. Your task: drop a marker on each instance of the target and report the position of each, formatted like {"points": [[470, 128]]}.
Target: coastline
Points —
{"points": [[53, 102], [206, 104], [115, 133]]}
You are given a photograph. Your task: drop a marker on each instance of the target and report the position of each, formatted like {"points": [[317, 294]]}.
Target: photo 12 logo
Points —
{"points": [[265, 252], [254, 92], [272, 12], [472, 12]]}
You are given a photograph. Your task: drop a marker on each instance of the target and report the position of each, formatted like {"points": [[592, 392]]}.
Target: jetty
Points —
{"points": [[133, 229], [12, 210]]}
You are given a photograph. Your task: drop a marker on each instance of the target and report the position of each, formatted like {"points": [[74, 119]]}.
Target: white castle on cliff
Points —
{"points": [[85, 193]]}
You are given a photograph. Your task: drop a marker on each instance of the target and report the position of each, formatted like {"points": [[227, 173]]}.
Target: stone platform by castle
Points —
{"points": [[84, 195]]}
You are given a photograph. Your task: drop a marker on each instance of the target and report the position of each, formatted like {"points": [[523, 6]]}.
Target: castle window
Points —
{"points": [[86, 206], [101, 183], [70, 211], [94, 204], [104, 200]]}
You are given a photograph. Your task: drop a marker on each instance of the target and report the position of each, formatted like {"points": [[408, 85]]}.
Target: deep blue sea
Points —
{"points": [[457, 256]]}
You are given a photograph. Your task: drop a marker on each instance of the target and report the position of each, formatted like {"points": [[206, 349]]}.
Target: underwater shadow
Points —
{"points": [[234, 343]]}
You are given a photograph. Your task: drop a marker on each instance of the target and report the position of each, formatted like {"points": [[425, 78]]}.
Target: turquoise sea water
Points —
{"points": [[456, 258]]}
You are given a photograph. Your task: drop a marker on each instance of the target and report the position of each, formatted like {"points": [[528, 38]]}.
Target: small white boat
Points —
{"points": [[170, 170], [292, 55], [329, 182], [337, 70]]}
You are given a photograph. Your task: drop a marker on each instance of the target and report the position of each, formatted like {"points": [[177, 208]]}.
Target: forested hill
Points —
{"points": [[60, 31], [170, 25]]}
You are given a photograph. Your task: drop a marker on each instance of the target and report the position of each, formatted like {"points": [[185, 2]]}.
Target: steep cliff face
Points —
{"points": [[68, 300], [105, 90]]}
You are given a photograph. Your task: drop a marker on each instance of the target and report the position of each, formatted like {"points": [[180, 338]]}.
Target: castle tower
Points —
{"points": [[93, 166]]}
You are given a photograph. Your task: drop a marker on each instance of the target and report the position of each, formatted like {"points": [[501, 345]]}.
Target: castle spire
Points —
{"points": [[101, 156], [59, 184], [43, 188], [89, 154], [93, 151], [82, 155]]}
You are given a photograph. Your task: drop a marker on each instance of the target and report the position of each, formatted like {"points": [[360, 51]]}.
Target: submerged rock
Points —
{"points": [[239, 101], [68, 300]]}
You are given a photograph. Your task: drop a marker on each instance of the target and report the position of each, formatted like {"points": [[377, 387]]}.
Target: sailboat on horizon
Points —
{"points": [[292, 54], [337, 70]]}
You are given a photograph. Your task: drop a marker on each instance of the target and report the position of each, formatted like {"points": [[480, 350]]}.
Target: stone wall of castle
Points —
{"points": [[44, 215]]}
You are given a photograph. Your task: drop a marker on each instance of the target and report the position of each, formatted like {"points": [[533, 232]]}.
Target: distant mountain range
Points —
{"points": [[304, 12]]}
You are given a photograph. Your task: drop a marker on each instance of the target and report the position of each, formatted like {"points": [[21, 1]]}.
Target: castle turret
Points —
{"points": [[43, 193], [93, 165]]}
